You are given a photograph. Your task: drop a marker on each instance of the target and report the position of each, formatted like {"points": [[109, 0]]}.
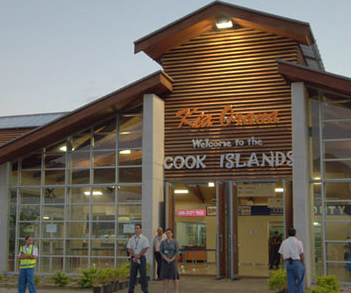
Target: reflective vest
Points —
{"points": [[27, 263]]}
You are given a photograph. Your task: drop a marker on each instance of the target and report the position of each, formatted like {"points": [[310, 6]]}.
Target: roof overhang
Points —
{"points": [[157, 83], [319, 79], [203, 20]]}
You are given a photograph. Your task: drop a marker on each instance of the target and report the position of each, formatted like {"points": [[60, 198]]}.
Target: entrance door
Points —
{"points": [[221, 228], [233, 232]]}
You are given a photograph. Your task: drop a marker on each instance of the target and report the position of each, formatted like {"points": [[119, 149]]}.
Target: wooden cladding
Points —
{"points": [[7, 135], [236, 68]]}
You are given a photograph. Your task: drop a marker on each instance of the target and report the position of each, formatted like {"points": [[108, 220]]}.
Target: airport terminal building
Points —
{"points": [[241, 134]]}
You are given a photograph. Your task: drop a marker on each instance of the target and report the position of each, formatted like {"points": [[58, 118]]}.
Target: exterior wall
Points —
{"points": [[152, 168], [301, 174], [4, 208], [235, 68]]}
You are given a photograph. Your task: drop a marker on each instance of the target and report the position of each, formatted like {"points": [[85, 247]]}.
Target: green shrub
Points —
{"points": [[60, 279], [326, 284], [88, 279], [104, 276], [124, 271], [36, 280], [1, 277], [278, 280]]}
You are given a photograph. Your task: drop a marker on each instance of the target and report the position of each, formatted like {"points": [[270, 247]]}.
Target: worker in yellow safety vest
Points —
{"points": [[28, 258]]}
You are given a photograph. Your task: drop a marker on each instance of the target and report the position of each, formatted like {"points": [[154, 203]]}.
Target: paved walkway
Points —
{"points": [[187, 285]]}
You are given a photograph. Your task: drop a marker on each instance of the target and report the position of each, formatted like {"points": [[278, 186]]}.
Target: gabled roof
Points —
{"points": [[319, 79], [202, 20], [157, 83]]}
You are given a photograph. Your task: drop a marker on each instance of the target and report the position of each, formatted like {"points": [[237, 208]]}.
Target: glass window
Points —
{"points": [[104, 194], [129, 211], [339, 271], [57, 160], [340, 110], [124, 229], [57, 147], [102, 248], [315, 158], [130, 122], [338, 211], [76, 264], [104, 158], [103, 212], [128, 140], [77, 247], [80, 142], [102, 176], [14, 173], [54, 195], [105, 141], [107, 126], [121, 262], [337, 149], [337, 129], [51, 247], [77, 212], [80, 176], [129, 157], [53, 213], [52, 230], [337, 169], [80, 159], [77, 229], [31, 177], [102, 263], [28, 229], [29, 213], [32, 162], [54, 177], [78, 195], [122, 248], [129, 193], [29, 196], [338, 191], [338, 230], [103, 230], [129, 175], [51, 264]]}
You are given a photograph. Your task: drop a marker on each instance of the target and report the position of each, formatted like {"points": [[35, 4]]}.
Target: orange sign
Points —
{"points": [[194, 119]]}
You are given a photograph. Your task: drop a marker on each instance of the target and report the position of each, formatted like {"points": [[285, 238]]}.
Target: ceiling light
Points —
{"points": [[210, 184], [279, 189], [181, 191], [223, 22], [125, 152], [94, 192], [46, 218], [63, 148]]}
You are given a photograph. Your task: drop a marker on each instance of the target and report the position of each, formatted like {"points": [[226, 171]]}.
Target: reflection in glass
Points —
{"points": [[57, 160], [77, 229], [129, 175], [338, 169], [53, 213], [128, 140], [80, 142], [51, 247], [104, 194], [29, 213], [129, 193], [129, 157], [77, 212], [338, 211], [338, 230], [79, 159], [107, 126], [103, 212], [51, 264], [338, 190], [104, 158], [31, 177], [54, 177], [54, 195], [33, 161], [339, 271], [77, 247], [103, 230], [337, 149], [80, 176], [57, 147], [29, 196], [26, 229], [124, 229], [129, 212], [102, 176], [76, 264], [14, 173], [316, 230], [102, 248], [102, 263], [130, 122], [341, 110], [337, 129], [52, 230], [122, 248], [104, 141], [78, 195]]}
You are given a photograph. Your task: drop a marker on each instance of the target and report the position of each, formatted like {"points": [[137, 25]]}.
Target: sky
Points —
{"points": [[57, 56]]}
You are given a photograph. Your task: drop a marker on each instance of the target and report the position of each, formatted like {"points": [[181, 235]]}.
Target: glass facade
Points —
{"points": [[331, 184], [79, 198]]}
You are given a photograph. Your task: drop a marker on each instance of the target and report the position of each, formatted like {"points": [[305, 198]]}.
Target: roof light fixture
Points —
{"points": [[223, 22], [181, 191]]}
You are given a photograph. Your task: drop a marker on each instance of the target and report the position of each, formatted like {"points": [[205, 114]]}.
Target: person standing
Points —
{"points": [[169, 251], [157, 241], [292, 252], [275, 245], [28, 258], [137, 247]]}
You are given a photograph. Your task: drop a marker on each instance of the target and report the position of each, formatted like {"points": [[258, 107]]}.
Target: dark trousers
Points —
{"points": [[158, 258], [275, 257], [134, 267]]}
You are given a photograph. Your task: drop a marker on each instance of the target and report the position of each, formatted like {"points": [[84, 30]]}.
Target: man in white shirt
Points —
{"points": [[157, 241], [137, 247], [292, 252]]}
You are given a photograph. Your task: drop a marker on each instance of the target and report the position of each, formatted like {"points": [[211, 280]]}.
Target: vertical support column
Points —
{"points": [[152, 173], [4, 215], [301, 175]]}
